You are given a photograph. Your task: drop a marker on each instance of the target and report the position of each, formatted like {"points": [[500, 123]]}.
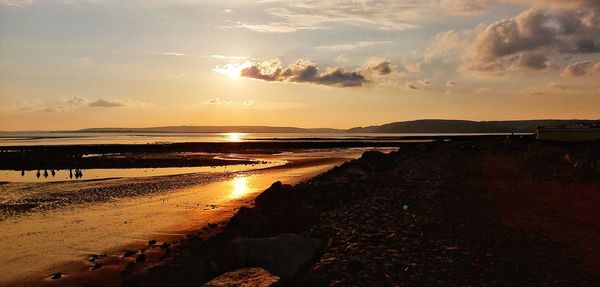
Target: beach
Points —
{"points": [[455, 211], [55, 226]]}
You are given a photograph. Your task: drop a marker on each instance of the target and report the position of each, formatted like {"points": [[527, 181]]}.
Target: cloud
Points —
{"points": [[450, 87], [102, 103], [528, 40], [228, 57], [76, 101], [276, 27], [351, 46], [171, 54], [303, 71], [483, 91], [468, 7], [214, 101], [378, 67], [50, 110], [557, 86], [581, 69], [417, 85], [217, 101], [16, 2], [390, 15], [341, 59], [248, 102], [412, 86]]}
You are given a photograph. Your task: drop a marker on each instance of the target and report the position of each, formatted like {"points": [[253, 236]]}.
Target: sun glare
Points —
{"points": [[232, 70], [234, 137]]}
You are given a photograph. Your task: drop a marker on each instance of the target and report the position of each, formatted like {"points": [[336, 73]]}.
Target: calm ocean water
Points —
{"points": [[70, 138]]}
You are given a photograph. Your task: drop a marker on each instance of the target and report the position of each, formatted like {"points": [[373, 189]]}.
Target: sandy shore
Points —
{"points": [[72, 220]]}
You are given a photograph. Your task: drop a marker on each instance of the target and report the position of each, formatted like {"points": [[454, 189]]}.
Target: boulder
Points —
{"points": [[276, 198], [378, 160], [246, 277], [284, 255], [253, 222], [182, 274]]}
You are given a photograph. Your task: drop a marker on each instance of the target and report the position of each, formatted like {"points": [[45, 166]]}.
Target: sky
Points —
{"points": [[70, 64]]}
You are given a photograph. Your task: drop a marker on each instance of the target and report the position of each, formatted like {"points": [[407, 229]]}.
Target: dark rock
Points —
{"points": [[284, 255], [96, 266], [140, 258], [246, 277], [152, 242], [254, 222], [128, 253], [354, 266], [275, 198], [165, 245], [378, 160], [188, 274], [56, 275]]}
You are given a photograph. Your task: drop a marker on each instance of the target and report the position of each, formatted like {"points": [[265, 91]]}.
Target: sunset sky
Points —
{"points": [[68, 64]]}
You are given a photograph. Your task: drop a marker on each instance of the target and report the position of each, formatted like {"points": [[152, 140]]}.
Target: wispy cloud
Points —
{"points": [[223, 57], [351, 46], [16, 2], [103, 103], [171, 54], [217, 101]]}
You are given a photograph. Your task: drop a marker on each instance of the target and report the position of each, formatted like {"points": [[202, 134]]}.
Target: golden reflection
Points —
{"points": [[234, 137], [239, 187]]}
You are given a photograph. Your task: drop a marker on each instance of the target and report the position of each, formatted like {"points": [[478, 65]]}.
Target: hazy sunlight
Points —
{"points": [[232, 70]]}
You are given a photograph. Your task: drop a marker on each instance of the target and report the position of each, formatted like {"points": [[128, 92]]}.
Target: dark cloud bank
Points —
{"points": [[306, 72]]}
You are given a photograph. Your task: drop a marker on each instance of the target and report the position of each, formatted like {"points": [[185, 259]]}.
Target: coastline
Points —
{"points": [[298, 167], [459, 212], [426, 214]]}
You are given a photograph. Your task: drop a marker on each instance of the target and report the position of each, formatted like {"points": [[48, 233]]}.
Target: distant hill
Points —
{"points": [[215, 129], [462, 126], [418, 126]]}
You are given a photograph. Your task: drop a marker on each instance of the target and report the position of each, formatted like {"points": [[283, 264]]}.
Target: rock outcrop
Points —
{"points": [[246, 277]]}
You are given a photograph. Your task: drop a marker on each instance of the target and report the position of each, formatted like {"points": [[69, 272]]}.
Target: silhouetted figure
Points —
{"points": [[45, 173], [70, 173], [53, 172], [22, 173], [38, 174]]}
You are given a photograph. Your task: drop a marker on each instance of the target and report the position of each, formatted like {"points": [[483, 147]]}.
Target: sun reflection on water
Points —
{"points": [[234, 137], [239, 187]]}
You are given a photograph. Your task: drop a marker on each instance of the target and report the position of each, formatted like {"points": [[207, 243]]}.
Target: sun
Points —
{"points": [[234, 71]]}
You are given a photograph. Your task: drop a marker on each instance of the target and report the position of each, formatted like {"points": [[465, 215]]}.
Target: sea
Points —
{"points": [[84, 138]]}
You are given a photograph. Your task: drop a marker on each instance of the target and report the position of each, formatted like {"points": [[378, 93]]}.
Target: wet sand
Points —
{"points": [[41, 242]]}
